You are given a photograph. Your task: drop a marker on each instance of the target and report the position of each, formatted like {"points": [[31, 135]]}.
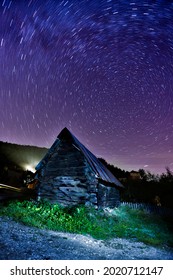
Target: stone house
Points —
{"points": [[69, 174]]}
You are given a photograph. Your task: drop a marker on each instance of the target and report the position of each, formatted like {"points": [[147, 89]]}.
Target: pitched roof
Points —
{"points": [[99, 169]]}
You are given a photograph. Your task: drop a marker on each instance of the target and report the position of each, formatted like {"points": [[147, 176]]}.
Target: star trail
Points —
{"points": [[103, 69]]}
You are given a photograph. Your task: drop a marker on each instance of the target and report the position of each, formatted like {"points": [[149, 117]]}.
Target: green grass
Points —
{"points": [[122, 222]]}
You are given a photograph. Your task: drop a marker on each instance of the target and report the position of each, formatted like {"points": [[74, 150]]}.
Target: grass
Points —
{"points": [[121, 222]]}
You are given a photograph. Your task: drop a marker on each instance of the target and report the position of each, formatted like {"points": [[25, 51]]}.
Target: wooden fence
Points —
{"points": [[150, 208]]}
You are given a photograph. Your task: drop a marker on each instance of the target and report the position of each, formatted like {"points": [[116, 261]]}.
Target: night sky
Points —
{"points": [[103, 69]]}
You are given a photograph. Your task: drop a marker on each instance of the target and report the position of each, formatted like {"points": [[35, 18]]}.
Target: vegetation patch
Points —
{"points": [[121, 222]]}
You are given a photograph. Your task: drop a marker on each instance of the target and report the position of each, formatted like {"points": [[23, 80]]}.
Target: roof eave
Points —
{"points": [[111, 184]]}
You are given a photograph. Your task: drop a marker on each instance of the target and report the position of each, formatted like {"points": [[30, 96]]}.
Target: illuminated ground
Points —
{"points": [[18, 241]]}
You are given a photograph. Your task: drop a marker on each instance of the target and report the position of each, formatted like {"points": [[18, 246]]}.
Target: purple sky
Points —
{"points": [[103, 69]]}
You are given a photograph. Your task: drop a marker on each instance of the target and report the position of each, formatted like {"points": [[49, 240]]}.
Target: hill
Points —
{"points": [[20, 156], [17, 163]]}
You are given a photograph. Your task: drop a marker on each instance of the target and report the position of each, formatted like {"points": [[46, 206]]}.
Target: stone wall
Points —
{"points": [[68, 179], [108, 196]]}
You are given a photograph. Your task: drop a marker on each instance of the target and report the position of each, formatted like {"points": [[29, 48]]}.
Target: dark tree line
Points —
{"points": [[148, 188]]}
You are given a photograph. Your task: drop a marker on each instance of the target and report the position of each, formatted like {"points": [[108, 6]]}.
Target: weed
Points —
{"points": [[122, 222]]}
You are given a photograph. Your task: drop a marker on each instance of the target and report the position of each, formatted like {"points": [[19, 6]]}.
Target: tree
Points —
{"points": [[143, 174]]}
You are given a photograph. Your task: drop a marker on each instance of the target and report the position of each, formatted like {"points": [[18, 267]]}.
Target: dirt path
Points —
{"points": [[18, 241]]}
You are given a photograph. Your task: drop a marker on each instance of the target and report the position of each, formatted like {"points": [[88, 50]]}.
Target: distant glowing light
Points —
{"points": [[29, 167]]}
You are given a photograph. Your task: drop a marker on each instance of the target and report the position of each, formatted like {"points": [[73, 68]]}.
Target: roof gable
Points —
{"points": [[98, 168]]}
